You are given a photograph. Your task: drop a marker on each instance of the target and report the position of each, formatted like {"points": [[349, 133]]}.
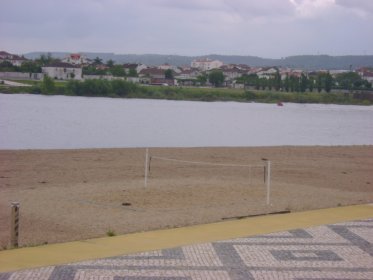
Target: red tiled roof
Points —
{"points": [[75, 55]]}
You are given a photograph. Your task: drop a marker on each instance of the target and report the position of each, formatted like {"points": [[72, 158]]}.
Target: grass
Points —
{"points": [[110, 233], [6, 247], [240, 95], [206, 94]]}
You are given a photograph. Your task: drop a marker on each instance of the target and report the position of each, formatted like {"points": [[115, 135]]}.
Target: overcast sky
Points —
{"points": [[266, 28]]}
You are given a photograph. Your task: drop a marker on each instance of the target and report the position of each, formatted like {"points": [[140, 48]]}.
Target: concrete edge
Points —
{"points": [[62, 253]]}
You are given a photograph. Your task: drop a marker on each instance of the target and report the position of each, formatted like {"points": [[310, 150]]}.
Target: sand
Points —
{"points": [[70, 195]]}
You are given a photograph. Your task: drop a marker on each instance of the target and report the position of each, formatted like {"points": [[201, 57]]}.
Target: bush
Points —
{"points": [[249, 95], [36, 89], [122, 88], [47, 86]]}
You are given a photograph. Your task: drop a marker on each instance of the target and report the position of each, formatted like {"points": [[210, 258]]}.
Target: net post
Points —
{"points": [[146, 167], [250, 175], [268, 180], [14, 225]]}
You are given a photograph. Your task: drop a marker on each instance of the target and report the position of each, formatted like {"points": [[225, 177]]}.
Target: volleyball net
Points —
{"points": [[264, 167]]}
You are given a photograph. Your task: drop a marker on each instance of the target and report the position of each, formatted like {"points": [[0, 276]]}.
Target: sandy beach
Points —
{"points": [[70, 195]]}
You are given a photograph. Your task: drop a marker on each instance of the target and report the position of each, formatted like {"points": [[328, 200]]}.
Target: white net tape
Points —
{"points": [[205, 163], [266, 166]]}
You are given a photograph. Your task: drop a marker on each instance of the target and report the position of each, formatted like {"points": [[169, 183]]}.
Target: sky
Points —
{"points": [[265, 28]]}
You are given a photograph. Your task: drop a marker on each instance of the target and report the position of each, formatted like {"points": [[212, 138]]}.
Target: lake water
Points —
{"points": [[51, 122]]}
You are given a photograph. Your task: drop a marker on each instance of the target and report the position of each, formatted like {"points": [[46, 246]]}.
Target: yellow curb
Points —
{"points": [[55, 254]]}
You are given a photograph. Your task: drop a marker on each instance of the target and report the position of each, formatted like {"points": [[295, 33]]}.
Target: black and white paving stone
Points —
{"points": [[338, 251]]}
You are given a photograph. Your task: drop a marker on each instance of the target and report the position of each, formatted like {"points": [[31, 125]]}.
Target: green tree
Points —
{"points": [[96, 88], [294, 84], [303, 82], [45, 59], [47, 86], [132, 72], [277, 82], [30, 67], [99, 87], [216, 77], [110, 63], [257, 84], [349, 80], [263, 83], [118, 71], [42, 59], [168, 74], [319, 82], [91, 70], [311, 84], [287, 83], [74, 87], [328, 82], [202, 79], [6, 66], [249, 80], [270, 83], [97, 61]]}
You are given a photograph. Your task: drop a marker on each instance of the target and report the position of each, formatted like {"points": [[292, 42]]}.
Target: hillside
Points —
{"points": [[306, 62]]}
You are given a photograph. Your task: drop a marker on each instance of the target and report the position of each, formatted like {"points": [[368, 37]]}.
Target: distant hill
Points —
{"points": [[306, 62]]}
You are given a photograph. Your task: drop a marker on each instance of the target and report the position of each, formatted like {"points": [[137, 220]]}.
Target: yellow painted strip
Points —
{"points": [[62, 253]]}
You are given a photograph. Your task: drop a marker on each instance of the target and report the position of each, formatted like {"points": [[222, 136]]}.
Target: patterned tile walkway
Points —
{"points": [[338, 251]]}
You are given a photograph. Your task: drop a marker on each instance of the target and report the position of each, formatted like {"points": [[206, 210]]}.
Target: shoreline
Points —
{"points": [[186, 147], [214, 94]]}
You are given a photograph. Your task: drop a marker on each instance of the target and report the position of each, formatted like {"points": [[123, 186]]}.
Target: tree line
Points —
{"points": [[124, 89], [34, 66], [94, 88], [110, 68], [320, 81]]}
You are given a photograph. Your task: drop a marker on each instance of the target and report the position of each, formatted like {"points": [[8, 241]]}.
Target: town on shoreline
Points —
{"points": [[76, 74]]}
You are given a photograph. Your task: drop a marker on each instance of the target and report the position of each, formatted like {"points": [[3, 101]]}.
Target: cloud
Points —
{"points": [[191, 5], [312, 8], [242, 8], [269, 28], [363, 8]]}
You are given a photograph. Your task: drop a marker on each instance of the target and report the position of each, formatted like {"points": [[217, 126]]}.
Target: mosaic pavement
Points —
{"points": [[339, 251]]}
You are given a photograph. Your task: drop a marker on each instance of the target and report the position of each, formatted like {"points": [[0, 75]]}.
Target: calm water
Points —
{"points": [[46, 122]]}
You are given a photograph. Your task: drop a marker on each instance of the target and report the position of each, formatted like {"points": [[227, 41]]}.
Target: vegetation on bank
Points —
{"points": [[123, 89]]}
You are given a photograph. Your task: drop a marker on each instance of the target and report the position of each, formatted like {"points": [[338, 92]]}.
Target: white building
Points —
{"points": [[134, 66], [366, 74], [231, 72], [76, 59], [167, 66], [63, 71], [267, 73], [188, 74], [206, 64], [14, 59]]}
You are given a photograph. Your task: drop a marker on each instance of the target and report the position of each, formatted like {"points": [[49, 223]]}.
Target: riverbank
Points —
{"points": [[78, 194], [122, 89]]}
